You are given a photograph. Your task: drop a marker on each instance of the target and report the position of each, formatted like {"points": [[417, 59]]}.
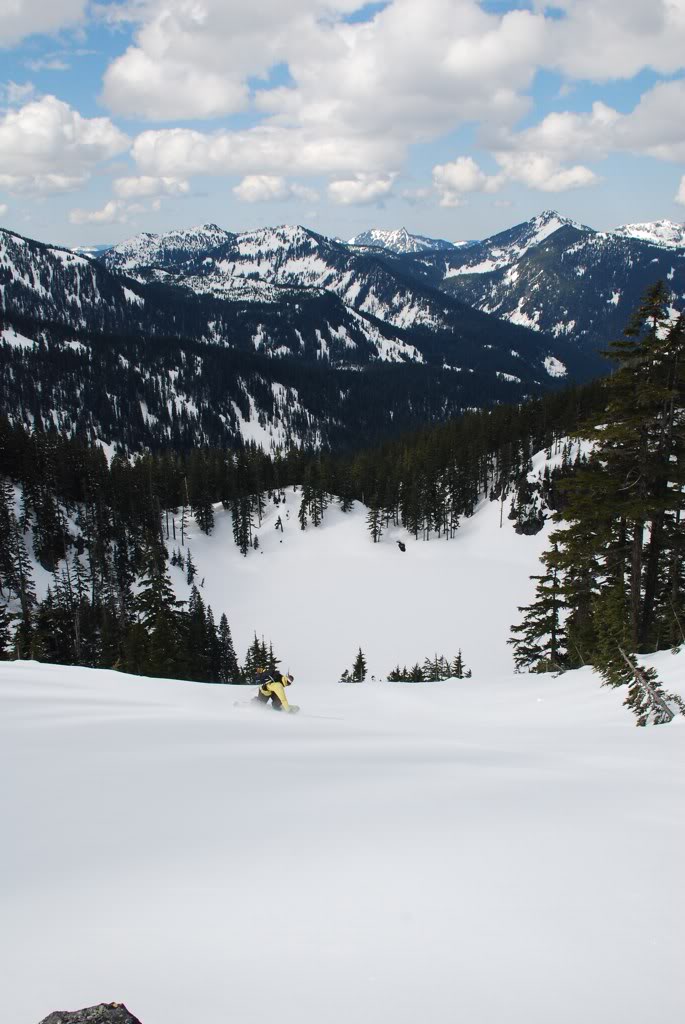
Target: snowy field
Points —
{"points": [[501, 849], [321, 593]]}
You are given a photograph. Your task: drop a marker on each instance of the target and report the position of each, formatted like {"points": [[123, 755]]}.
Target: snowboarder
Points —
{"points": [[401, 545], [273, 689]]}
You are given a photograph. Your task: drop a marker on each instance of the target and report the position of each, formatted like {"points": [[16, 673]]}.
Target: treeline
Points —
{"points": [[613, 580], [433, 670], [103, 529]]}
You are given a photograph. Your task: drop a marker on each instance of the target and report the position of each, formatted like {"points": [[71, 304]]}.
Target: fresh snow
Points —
{"points": [[391, 603], [504, 848]]}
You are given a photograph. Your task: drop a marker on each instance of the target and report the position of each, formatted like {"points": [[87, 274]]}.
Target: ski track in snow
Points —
{"points": [[493, 849]]}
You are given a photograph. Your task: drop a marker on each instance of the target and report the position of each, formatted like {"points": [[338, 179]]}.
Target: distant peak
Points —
{"points": [[665, 233], [399, 240]]}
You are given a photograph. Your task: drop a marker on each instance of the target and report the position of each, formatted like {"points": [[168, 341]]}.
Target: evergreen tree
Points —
{"points": [[229, 671], [6, 634], [374, 523], [359, 668], [458, 669], [619, 557], [157, 608], [539, 640]]}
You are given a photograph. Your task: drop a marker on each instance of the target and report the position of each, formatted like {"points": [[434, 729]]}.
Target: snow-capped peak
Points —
{"points": [[399, 240], [546, 223], [665, 233], [147, 249]]}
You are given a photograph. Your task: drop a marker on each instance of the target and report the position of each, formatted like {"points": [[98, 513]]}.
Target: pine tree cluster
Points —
{"points": [[614, 579], [435, 669]]}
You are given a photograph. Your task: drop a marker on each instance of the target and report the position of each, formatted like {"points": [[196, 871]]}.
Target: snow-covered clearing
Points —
{"points": [[321, 593], [489, 850]]}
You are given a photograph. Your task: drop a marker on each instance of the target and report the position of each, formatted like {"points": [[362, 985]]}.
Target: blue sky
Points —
{"points": [[452, 117]]}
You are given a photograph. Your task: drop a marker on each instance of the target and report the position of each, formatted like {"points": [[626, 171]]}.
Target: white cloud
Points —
{"points": [[3, 209], [48, 64], [654, 127], [265, 149], [46, 146], [539, 171], [146, 186], [21, 18], [138, 85], [16, 93], [536, 170], [361, 189], [260, 188], [41, 184], [680, 197], [113, 212], [461, 176], [602, 40], [359, 95]]}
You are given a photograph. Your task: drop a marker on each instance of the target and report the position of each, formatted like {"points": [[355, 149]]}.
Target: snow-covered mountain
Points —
{"points": [[400, 241], [47, 282], [275, 265], [559, 277], [264, 337], [163, 251], [659, 232]]}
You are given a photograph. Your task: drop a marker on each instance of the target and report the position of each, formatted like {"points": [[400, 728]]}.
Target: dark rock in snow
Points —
{"points": [[104, 1013]]}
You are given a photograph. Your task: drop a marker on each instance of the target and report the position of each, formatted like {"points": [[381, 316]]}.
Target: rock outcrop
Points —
{"points": [[104, 1013]]}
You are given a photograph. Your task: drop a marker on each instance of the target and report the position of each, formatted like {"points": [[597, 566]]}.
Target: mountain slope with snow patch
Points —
{"points": [[400, 241], [560, 278], [660, 232]]}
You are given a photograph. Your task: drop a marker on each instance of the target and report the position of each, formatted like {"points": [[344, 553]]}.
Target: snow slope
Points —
{"points": [[496, 849], [503, 848], [334, 584]]}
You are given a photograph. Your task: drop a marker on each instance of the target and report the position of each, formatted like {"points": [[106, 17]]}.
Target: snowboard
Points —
{"points": [[247, 704]]}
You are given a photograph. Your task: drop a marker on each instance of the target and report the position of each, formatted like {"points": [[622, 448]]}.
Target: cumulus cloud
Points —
{"points": [[463, 175], [113, 212], [21, 18], [46, 146], [414, 61], [539, 171], [654, 127], [609, 39], [361, 190], [536, 170], [262, 150], [148, 187], [161, 90], [261, 188]]}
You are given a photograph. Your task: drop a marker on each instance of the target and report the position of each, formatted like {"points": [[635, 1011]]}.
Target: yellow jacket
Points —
{"points": [[275, 691]]}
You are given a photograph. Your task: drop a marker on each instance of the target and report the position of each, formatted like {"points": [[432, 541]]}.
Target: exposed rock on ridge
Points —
{"points": [[104, 1013]]}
